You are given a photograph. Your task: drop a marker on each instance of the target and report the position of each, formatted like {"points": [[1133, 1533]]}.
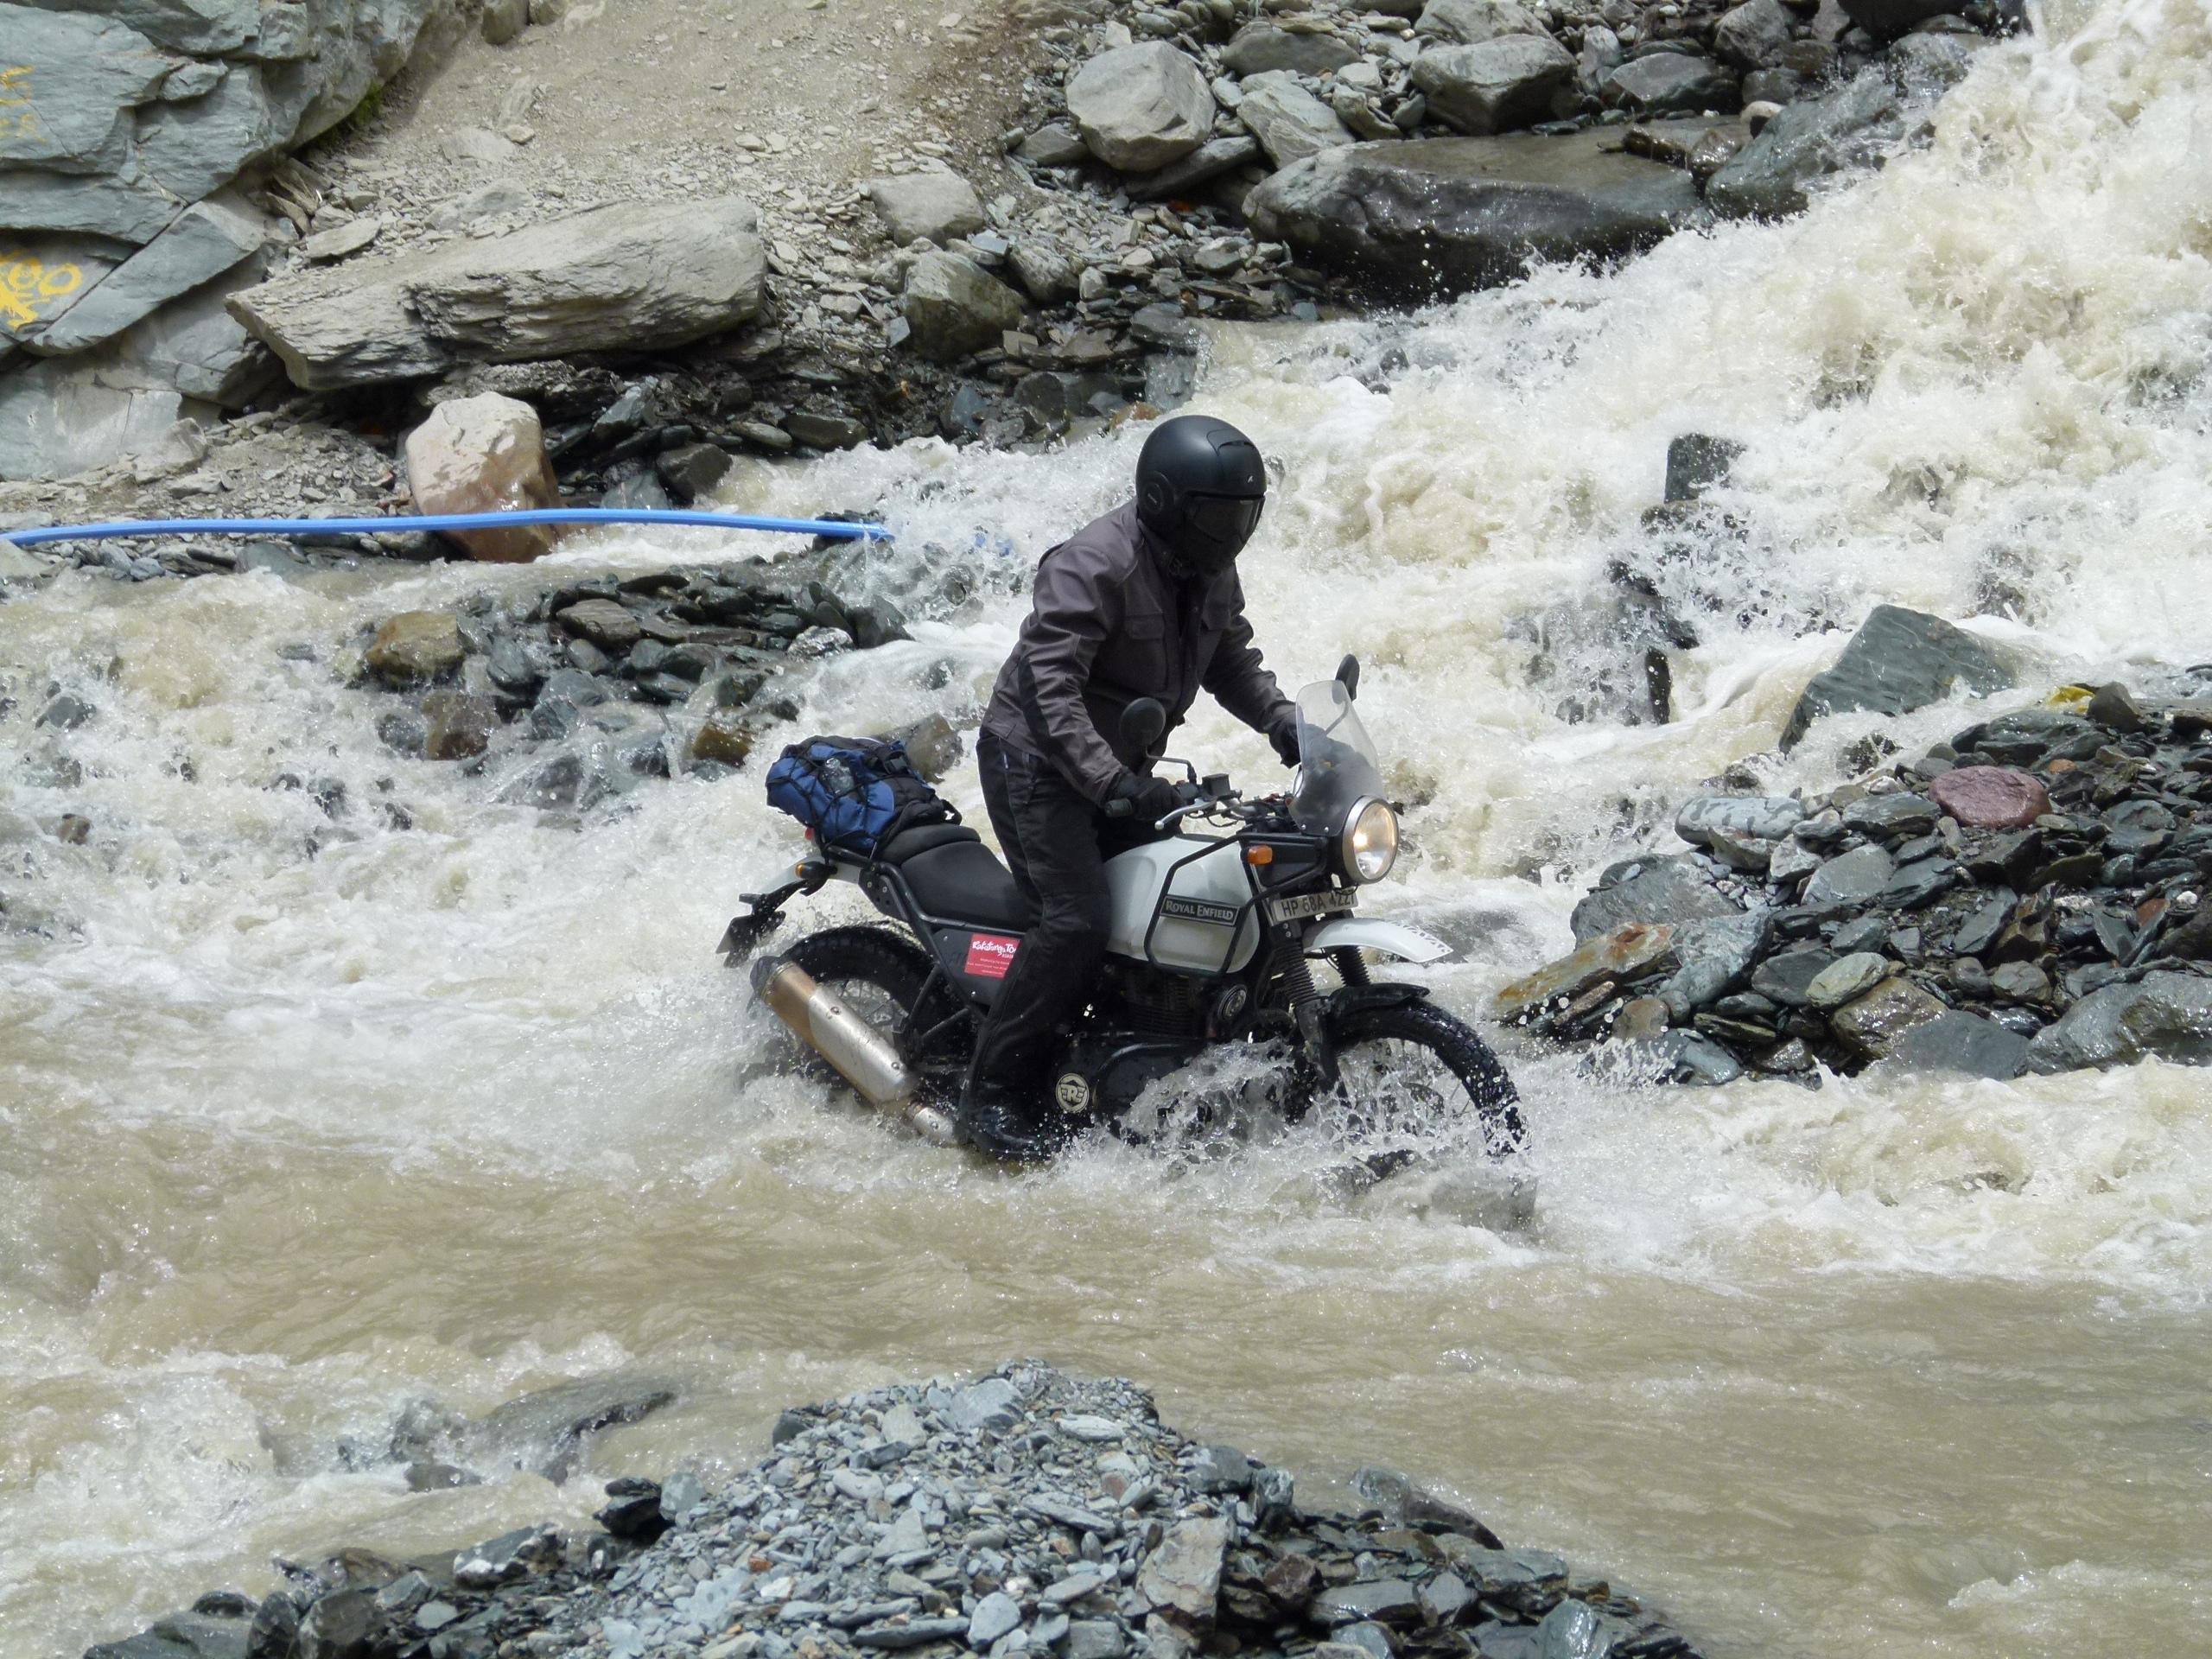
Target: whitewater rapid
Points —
{"points": [[304, 1115]]}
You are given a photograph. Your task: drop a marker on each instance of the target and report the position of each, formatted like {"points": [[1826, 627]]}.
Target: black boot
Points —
{"points": [[1009, 1123]]}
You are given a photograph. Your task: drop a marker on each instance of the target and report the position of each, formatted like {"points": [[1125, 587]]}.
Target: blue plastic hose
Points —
{"points": [[832, 529]]}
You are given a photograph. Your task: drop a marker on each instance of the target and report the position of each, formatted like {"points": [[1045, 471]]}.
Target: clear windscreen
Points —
{"points": [[1337, 762]]}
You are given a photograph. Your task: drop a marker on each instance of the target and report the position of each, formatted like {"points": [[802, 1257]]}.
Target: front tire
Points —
{"points": [[1410, 1071]]}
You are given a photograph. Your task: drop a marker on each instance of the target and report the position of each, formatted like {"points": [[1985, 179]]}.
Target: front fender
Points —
{"points": [[1371, 933]]}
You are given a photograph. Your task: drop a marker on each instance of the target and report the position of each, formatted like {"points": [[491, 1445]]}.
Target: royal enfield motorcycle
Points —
{"points": [[1218, 928]]}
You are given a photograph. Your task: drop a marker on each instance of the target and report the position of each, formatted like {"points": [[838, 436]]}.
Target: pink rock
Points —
{"points": [[1989, 797], [485, 455]]}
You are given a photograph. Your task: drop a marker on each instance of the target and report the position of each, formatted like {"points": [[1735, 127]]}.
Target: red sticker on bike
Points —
{"points": [[990, 955]]}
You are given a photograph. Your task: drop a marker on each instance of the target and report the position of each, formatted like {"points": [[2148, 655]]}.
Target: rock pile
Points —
{"points": [[1027, 1512], [2028, 896], [571, 693]]}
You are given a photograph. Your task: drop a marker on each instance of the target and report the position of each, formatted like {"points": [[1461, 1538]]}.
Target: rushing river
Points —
{"points": [[302, 1119]]}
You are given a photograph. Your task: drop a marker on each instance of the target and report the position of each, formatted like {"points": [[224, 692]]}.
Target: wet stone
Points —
{"points": [[1989, 797], [1850, 879], [1873, 1022], [1788, 976]]}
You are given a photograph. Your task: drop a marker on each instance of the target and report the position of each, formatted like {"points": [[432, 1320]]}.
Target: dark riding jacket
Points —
{"points": [[1111, 624]]}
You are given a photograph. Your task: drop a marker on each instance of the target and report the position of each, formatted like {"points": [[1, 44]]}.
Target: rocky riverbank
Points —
{"points": [[208, 218], [2027, 896], [1027, 1512]]}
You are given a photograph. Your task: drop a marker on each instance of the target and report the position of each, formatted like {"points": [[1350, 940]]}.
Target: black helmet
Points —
{"points": [[1200, 487]]}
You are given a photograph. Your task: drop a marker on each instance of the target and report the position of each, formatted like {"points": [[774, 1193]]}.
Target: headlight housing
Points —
{"points": [[1369, 846]]}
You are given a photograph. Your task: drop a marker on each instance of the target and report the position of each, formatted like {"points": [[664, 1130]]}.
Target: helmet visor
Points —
{"points": [[1221, 525]]}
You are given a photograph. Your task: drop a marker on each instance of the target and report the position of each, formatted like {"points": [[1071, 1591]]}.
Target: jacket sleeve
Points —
{"points": [[1240, 681], [1077, 608]]}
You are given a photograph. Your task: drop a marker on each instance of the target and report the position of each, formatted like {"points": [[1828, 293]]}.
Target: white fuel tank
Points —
{"points": [[1207, 920]]}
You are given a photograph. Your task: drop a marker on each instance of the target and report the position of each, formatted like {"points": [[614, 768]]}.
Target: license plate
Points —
{"points": [[1309, 904]]}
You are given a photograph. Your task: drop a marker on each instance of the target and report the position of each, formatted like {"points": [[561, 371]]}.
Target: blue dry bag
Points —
{"points": [[855, 793]]}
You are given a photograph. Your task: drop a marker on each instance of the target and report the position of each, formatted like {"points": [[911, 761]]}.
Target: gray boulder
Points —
{"points": [[935, 205], [1754, 35], [1439, 216], [1648, 890], [1809, 139], [1961, 1042], [1471, 22], [1140, 107], [1290, 122], [1670, 83], [208, 238], [1046, 270], [2167, 1015], [1899, 660], [955, 307], [1494, 86], [1260, 47], [632, 276]]}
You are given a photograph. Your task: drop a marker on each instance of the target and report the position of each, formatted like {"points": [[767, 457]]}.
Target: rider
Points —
{"points": [[1144, 602]]}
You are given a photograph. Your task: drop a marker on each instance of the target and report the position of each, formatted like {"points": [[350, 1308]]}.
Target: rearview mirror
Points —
{"points": [[1143, 722], [1348, 676]]}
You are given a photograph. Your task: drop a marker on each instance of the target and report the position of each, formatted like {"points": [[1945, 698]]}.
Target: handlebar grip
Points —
{"points": [[1119, 808]]}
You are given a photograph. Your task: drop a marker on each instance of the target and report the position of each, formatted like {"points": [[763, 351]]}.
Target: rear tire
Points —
{"points": [[1399, 1065], [885, 978]]}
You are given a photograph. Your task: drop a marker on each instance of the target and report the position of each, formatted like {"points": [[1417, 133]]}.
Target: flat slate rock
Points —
{"points": [[1653, 889], [1438, 217], [1900, 660]]}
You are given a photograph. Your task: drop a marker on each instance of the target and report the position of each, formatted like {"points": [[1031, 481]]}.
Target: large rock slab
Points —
{"points": [[1848, 128], [955, 307], [131, 209], [207, 240], [1290, 122], [485, 455], [1496, 86], [1899, 660], [66, 416], [1140, 107], [74, 84], [1677, 889], [1670, 83], [1441, 216], [2168, 1016], [634, 276], [934, 205], [1260, 47], [207, 26]]}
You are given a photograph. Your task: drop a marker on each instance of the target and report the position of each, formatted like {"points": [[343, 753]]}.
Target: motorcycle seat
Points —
{"points": [[922, 839], [958, 879]]}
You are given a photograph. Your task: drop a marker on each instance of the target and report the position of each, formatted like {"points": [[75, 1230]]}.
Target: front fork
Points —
{"points": [[1308, 1006]]}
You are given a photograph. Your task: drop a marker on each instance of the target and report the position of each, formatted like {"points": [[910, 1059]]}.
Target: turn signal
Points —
{"points": [[1261, 856]]}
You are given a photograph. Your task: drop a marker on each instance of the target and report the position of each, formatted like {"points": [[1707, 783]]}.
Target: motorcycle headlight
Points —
{"points": [[1369, 846]]}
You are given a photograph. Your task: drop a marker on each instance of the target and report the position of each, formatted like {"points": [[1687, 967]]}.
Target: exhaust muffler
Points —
{"points": [[855, 1049]]}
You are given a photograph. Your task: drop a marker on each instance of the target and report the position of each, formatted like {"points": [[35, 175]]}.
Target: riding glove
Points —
{"points": [[1284, 736], [1149, 799]]}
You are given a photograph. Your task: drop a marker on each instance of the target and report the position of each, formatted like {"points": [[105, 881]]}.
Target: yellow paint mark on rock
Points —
{"points": [[18, 117], [28, 284]]}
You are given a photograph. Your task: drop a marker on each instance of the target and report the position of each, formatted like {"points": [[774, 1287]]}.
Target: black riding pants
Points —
{"points": [[1056, 844]]}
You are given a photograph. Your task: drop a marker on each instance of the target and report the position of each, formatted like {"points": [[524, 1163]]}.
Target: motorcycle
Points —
{"points": [[1213, 945]]}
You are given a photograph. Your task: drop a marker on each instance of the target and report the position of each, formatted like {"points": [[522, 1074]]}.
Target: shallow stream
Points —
{"points": [[303, 1115]]}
